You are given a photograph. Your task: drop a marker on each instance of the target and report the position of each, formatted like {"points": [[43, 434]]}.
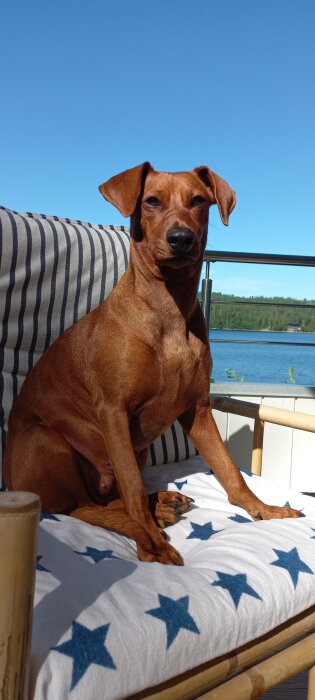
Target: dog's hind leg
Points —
{"points": [[168, 507], [39, 459]]}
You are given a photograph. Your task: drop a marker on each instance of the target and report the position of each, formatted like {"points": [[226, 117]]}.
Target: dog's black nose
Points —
{"points": [[181, 240]]}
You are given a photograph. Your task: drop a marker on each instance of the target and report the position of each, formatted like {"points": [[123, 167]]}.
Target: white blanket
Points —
{"points": [[107, 625]]}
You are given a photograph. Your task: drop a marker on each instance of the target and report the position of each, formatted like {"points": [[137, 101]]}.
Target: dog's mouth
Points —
{"points": [[180, 260], [167, 258]]}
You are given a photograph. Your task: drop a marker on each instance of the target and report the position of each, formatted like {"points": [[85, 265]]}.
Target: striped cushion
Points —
{"points": [[52, 272]]}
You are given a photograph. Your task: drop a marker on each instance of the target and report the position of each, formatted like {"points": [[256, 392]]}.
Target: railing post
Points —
{"points": [[206, 291]]}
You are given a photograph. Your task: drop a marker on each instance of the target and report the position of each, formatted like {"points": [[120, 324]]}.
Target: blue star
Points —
{"points": [[175, 615], [49, 516], [40, 567], [236, 585], [249, 474], [180, 484], [85, 648], [313, 536], [292, 563], [202, 532], [239, 518], [97, 554], [287, 504]]}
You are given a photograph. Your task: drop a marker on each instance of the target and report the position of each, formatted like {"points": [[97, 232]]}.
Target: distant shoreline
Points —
{"points": [[262, 314], [260, 330]]}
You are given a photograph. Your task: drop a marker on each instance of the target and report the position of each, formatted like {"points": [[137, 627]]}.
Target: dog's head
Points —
{"points": [[169, 211]]}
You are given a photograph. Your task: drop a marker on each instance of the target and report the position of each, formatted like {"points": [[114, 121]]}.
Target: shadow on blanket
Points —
{"points": [[72, 574]]}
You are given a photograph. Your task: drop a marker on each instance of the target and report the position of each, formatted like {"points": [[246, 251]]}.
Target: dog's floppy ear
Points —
{"points": [[123, 190], [224, 196]]}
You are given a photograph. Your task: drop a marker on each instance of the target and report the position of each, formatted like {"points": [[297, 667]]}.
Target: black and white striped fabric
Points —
{"points": [[53, 271]]}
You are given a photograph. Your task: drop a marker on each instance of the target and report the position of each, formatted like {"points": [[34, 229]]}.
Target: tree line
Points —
{"points": [[250, 316]]}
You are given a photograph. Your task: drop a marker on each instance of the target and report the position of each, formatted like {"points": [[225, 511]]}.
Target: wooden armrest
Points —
{"points": [[263, 414], [268, 414]]}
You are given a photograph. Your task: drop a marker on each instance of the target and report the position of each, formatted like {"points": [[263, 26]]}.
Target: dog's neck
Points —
{"points": [[167, 288]]}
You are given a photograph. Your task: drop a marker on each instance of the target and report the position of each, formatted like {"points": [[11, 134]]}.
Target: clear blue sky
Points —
{"points": [[91, 87]]}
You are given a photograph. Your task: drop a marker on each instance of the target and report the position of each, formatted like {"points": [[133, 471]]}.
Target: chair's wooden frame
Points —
{"points": [[263, 414], [19, 518], [244, 674]]}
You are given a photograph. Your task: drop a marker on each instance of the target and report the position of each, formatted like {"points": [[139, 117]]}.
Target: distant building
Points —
{"points": [[294, 327]]}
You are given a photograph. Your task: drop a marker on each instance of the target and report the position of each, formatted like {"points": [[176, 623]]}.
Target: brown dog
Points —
{"points": [[114, 381]]}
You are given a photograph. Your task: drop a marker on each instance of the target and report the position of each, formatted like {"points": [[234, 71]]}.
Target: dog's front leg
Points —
{"points": [[200, 426], [130, 486]]}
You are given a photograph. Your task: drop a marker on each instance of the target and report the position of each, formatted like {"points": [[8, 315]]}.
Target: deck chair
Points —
{"points": [[235, 620]]}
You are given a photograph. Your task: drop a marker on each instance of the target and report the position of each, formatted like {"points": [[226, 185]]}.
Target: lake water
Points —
{"points": [[263, 363]]}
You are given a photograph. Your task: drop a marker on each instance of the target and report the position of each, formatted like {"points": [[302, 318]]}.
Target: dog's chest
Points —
{"points": [[177, 377], [179, 359]]}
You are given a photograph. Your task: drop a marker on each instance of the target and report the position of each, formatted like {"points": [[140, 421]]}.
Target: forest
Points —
{"points": [[257, 313]]}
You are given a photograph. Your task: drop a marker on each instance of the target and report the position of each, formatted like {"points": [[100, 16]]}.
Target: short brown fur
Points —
{"points": [[113, 382]]}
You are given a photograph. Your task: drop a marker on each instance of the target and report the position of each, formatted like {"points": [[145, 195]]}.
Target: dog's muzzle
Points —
{"points": [[181, 240]]}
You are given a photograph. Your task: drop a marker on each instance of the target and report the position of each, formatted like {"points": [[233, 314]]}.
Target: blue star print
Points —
{"points": [[85, 648], [236, 585], [180, 484], [175, 615], [288, 505], [202, 532], [292, 563], [97, 554], [49, 516], [246, 473], [239, 518], [40, 567]]}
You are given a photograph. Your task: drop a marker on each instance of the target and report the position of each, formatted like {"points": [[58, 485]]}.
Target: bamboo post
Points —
{"points": [[19, 517], [311, 684], [257, 450]]}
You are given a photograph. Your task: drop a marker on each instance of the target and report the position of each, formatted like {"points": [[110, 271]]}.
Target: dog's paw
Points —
{"points": [[266, 512], [169, 506], [165, 554]]}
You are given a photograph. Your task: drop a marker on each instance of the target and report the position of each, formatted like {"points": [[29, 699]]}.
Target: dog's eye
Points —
{"points": [[153, 202], [197, 200]]}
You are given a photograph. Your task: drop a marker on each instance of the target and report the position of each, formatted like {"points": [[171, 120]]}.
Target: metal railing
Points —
{"points": [[212, 256]]}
